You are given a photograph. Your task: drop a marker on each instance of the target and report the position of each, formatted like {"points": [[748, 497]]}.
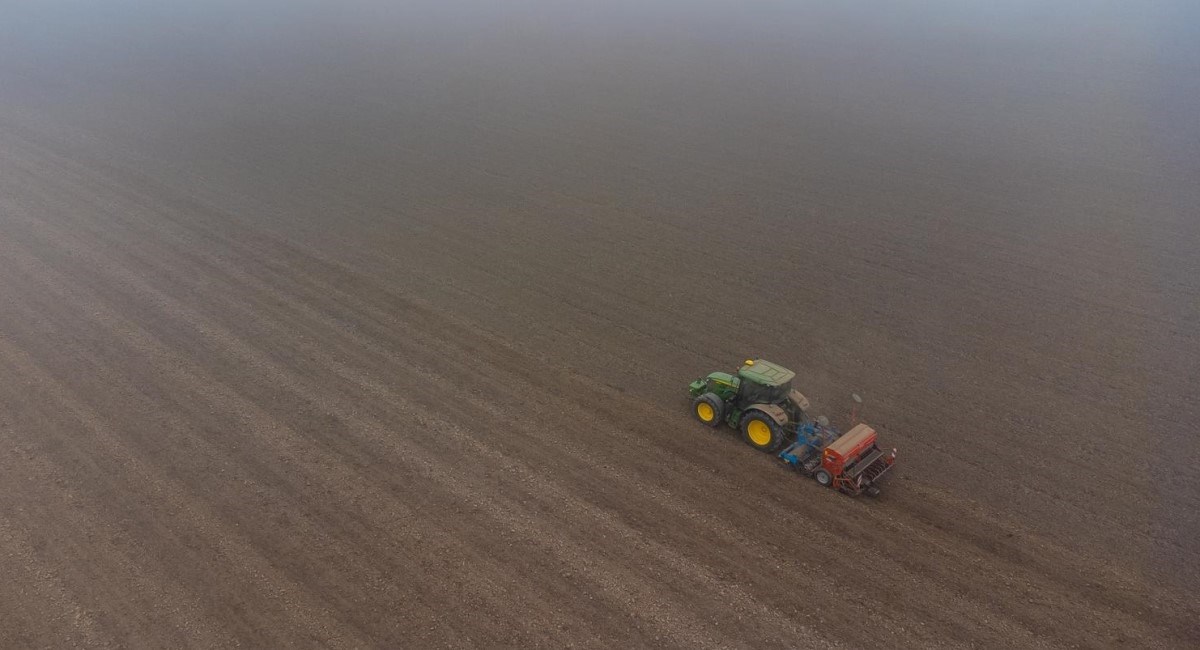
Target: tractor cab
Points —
{"points": [[764, 382]]}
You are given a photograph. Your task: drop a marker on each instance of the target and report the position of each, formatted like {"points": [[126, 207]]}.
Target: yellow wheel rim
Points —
{"points": [[759, 432], [705, 411]]}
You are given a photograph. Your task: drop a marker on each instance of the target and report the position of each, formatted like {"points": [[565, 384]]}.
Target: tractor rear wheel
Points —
{"points": [[760, 431], [709, 409]]}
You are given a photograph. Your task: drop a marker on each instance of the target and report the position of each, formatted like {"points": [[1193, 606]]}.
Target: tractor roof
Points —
{"points": [[761, 371]]}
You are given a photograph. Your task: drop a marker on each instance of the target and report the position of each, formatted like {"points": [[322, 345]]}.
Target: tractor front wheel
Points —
{"points": [[760, 431], [709, 409]]}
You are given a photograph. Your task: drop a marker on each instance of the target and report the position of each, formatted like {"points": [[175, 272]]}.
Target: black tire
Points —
{"points": [[823, 477], [715, 411], [760, 431]]}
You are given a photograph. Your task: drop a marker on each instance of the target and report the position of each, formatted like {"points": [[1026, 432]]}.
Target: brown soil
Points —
{"points": [[345, 328]]}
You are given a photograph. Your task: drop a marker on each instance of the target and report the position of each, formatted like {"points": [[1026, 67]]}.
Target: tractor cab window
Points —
{"points": [[752, 393]]}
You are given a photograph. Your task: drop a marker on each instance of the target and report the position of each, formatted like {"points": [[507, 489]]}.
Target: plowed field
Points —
{"points": [[347, 326]]}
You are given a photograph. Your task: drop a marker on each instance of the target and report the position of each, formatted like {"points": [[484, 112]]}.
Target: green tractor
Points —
{"points": [[759, 401]]}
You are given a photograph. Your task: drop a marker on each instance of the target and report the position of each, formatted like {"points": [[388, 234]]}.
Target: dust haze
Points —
{"points": [[369, 323]]}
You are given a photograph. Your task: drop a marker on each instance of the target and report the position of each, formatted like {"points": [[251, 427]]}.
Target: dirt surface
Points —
{"points": [[347, 326]]}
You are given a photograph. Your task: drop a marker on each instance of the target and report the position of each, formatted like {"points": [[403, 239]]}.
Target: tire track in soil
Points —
{"points": [[326, 464], [307, 408], [209, 270], [281, 377]]}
